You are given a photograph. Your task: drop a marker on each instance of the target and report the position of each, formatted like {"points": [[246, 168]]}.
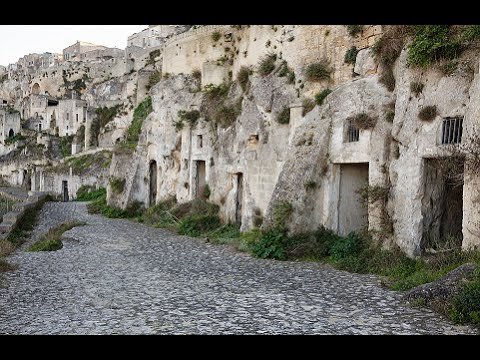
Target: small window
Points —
{"points": [[452, 129], [76, 117], [353, 133], [68, 117], [199, 141]]}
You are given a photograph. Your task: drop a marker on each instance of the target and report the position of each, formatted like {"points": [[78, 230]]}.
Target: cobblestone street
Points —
{"points": [[120, 277]]}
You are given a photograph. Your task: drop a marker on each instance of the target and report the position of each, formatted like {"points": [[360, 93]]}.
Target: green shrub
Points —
{"points": [[311, 245], [197, 74], [432, 43], [196, 225], [283, 117], [387, 78], [416, 87], [160, 215], [345, 247], [466, 305], [89, 193], [427, 113], [267, 64], [363, 121], [216, 35], [319, 97], [216, 92], [154, 79], [308, 105], [243, 77], [190, 116], [389, 115], [117, 184], [471, 33], [351, 55], [15, 138], [354, 30], [272, 245], [318, 71], [133, 132]]}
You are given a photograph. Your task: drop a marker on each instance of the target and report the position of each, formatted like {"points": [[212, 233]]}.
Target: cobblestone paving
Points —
{"points": [[119, 277]]}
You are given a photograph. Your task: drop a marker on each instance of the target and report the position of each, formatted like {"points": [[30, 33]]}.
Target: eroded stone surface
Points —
{"points": [[119, 277]]}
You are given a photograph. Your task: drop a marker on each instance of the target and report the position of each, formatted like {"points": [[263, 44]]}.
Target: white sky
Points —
{"points": [[19, 40]]}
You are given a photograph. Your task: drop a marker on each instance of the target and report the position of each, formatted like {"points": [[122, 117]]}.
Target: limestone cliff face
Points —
{"points": [[265, 144]]}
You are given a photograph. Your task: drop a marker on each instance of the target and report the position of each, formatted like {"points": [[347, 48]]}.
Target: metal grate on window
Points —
{"points": [[452, 129], [353, 133]]}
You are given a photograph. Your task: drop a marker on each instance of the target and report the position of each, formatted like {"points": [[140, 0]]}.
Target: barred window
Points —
{"points": [[353, 133], [452, 129]]}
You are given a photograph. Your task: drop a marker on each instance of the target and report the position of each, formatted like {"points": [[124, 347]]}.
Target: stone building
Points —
{"points": [[73, 52], [9, 127]]}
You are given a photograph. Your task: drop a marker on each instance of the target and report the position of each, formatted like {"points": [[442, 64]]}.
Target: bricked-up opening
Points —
{"points": [[442, 203], [200, 180], [153, 183], [353, 133], [352, 212], [452, 129]]}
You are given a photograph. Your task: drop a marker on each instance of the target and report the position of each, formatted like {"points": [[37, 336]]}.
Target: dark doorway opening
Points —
{"points": [[11, 133], [153, 183], [239, 199], [442, 203], [65, 190]]}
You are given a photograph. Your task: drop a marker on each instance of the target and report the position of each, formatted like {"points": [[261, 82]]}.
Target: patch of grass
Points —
{"points": [[267, 64], [90, 193], [427, 113], [117, 184], [319, 97], [104, 115], [282, 213], [308, 105], [133, 132], [66, 145], [5, 265], [310, 184], [318, 71], [51, 241], [14, 139], [283, 117], [389, 115], [243, 77], [25, 225], [197, 74], [354, 30], [466, 305], [351, 55], [416, 87], [216, 35]]}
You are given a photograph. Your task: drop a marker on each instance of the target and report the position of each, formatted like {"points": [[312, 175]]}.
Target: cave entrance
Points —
{"points": [[200, 178], [352, 212], [153, 183], [442, 203], [239, 199]]}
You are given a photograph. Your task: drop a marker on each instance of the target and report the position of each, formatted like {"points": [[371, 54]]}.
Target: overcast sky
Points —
{"points": [[19, 40]]}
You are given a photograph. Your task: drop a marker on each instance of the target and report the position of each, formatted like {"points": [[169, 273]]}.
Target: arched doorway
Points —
{"points": [[36, 89], [11, 133], [153, 183]]}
